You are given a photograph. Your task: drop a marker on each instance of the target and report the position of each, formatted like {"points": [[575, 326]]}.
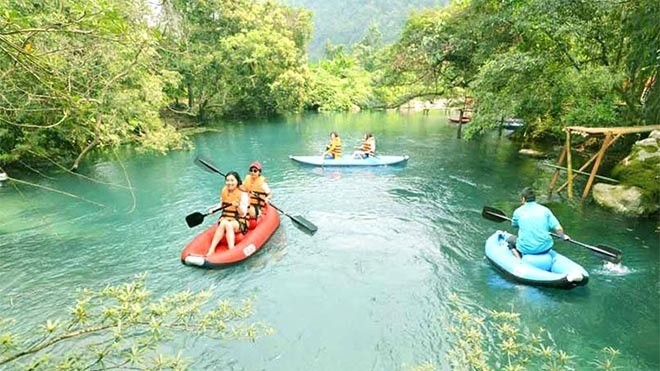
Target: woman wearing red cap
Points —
{"points": [[260, 193]]}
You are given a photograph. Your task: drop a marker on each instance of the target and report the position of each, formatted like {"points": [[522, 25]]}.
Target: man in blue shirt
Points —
{"points": [[534, 221]]}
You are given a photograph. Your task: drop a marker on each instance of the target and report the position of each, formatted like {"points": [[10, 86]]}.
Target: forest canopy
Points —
{"points": [[80, 75]]}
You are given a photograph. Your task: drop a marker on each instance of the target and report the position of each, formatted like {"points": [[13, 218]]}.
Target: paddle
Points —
{"points": [[300, 222], [606, 252], [197, 218]]}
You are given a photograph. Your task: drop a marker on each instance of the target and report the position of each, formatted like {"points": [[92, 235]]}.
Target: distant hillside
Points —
{"points": [[346, 21]]}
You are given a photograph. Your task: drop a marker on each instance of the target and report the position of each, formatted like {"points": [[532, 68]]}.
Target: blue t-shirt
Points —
{"points": [[535, 222]]}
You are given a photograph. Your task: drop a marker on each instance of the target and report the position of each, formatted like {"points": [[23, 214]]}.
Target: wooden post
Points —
{"points": [[594, 170], [555, 176], [460, 124], [569, 165], [582, 173]]}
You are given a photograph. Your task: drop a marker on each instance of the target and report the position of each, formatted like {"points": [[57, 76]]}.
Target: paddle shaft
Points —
{"points": [[306, 224]]}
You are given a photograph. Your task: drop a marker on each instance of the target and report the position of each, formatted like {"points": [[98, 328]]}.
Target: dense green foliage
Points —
{"points": [[237, 57], [553, 63], [76, 75], [345, 81]]}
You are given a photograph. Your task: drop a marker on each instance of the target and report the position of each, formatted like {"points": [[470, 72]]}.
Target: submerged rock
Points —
{"points": [[533, 153], [626, 200]]}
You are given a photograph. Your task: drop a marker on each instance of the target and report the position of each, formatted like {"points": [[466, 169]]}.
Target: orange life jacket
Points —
{"points": [[255, 189], [366, 146], [335, 147], [228, 198]]}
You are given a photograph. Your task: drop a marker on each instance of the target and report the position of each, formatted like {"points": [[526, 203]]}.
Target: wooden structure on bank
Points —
{"points": [[610, 136]]}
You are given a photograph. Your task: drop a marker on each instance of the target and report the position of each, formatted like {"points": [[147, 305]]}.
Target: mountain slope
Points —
{"points": [[346, 22]]}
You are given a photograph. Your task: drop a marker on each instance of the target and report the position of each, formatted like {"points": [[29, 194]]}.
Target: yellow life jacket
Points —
{"points": [[335, 147], [228, 198], [255, 189]]}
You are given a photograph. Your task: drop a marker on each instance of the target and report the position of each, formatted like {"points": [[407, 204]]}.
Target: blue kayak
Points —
{"points": [[350, 161], [512, 123], [550, 269]]}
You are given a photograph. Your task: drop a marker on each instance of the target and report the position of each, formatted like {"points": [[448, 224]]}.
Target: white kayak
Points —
{"points": [[350, 160]]}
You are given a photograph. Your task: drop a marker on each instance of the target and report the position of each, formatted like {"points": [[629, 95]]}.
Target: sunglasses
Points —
{"points": [[253, 170]]}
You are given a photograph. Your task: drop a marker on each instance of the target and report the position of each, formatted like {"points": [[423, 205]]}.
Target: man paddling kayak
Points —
{"points": [[534, 221]]}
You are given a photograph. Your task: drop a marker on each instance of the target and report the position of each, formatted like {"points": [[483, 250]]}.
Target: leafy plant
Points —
{"points": [[498, 340], [121, 326]]}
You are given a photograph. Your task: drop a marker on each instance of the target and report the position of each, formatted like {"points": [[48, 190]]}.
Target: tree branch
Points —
{"points": [[82, 154]]}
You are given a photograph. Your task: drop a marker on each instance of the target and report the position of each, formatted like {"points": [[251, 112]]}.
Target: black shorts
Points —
{"points": [[257, 210], [242, 225]]}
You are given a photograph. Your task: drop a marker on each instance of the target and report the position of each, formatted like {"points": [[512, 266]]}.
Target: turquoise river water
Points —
{"points": [[370, 289]]}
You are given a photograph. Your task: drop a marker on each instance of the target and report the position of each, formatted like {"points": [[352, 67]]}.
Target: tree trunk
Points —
{"points": [[191, 99]]}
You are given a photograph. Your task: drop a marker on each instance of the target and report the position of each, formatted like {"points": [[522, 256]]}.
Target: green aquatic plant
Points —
{"points": [[499, 340], [124, 327]]}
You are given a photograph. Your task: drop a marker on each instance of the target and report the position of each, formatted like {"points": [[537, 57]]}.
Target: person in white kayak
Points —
{"points": [[368, 147]]}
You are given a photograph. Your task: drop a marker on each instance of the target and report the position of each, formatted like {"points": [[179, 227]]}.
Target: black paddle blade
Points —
{"points": [[208, 166], [303, 224], [194, 219], [603, 251], [613, 254], [608, 253], [494, 214]]}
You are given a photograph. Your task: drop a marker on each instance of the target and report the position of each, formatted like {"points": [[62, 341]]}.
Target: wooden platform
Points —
{"points": [[611, 134]]}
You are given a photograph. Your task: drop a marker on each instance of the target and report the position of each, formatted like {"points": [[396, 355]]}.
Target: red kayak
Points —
{"points": [[457, 120], [246, 244]]}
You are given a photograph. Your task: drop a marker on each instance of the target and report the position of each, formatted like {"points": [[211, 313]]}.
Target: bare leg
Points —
{"points": [[230, 238], [217, 237], [231, 235]]}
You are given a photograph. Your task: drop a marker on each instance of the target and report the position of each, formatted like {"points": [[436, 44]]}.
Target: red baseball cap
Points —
{"points": [[256, 165]]}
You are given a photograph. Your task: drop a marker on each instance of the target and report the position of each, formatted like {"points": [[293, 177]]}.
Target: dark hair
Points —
{"points": [[368, 135], [235, 174], [528, 194], [335, 133]]}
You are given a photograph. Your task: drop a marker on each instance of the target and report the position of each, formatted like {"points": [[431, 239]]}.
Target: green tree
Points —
{"points": [[339, 84], [237, 57], [552, 63], [76, 75]]}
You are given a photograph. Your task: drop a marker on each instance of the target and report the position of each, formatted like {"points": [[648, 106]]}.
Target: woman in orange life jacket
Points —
{"points": [[368, 147], [333, 150], [259, 191], [233, 219]]}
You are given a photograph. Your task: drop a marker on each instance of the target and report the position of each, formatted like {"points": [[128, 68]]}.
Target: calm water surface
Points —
{"points": [[370, 290]]}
